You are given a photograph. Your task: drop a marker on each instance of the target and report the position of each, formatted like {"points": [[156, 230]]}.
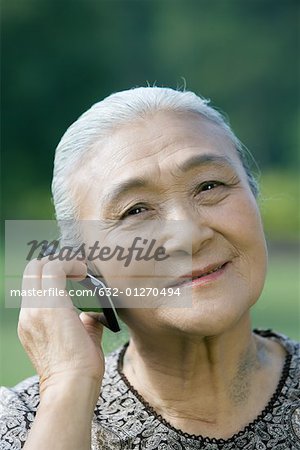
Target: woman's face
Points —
{"points": [[193, 177]]}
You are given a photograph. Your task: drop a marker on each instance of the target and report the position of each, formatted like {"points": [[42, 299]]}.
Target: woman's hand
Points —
{"points": [[61, 345], [65, 350]]}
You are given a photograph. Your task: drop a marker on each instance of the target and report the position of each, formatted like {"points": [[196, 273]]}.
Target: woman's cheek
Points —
{"points": [[238, 219], [244, 232]]}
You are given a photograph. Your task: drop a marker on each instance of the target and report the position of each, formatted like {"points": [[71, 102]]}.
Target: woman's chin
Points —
{"points": [[200, 321]]}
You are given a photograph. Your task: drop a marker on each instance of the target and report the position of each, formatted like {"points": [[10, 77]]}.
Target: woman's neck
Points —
{"points": [[203, 384]]}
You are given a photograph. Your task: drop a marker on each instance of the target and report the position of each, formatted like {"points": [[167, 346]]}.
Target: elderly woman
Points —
{"points": [[191, 377]]}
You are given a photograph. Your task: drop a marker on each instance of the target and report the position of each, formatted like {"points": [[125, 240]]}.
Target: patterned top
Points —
{"points": [[124, 420]]}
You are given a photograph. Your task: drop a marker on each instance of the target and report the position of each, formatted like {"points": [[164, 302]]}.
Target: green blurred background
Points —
{"points": [[60, 56]]}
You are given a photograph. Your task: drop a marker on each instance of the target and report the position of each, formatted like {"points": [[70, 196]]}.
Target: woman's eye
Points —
{"points": [[134, 211], [208, 185]]}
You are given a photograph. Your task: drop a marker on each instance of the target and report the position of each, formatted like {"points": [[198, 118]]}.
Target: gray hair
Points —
{"points": [[121, 108]]}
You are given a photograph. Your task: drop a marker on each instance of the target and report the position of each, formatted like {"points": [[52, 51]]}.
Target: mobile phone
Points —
{"points": [[105, 301]]}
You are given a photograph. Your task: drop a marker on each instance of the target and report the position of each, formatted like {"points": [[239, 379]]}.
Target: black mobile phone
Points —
{"points": [[105, 302]]}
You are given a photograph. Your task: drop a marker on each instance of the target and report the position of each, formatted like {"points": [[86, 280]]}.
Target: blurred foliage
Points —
{"points": [[60, 56], [279, 204]]}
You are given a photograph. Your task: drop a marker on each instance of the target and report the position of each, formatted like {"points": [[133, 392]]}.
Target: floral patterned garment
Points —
{"points": [[123, 420]]}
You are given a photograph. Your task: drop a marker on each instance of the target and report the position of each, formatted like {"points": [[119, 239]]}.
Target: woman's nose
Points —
{"points": [[186, 232]]}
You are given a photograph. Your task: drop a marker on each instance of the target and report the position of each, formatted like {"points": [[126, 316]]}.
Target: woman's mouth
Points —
{"points": [[201, 277]]}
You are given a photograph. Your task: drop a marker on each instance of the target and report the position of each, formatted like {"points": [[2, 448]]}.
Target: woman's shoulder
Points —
{"points": [[18, 406], [23, 396], [292, 350], [291, 346]]}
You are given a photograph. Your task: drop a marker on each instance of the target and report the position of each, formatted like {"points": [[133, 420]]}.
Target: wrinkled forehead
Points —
{"points": [[154, 145], [161, 137]]}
